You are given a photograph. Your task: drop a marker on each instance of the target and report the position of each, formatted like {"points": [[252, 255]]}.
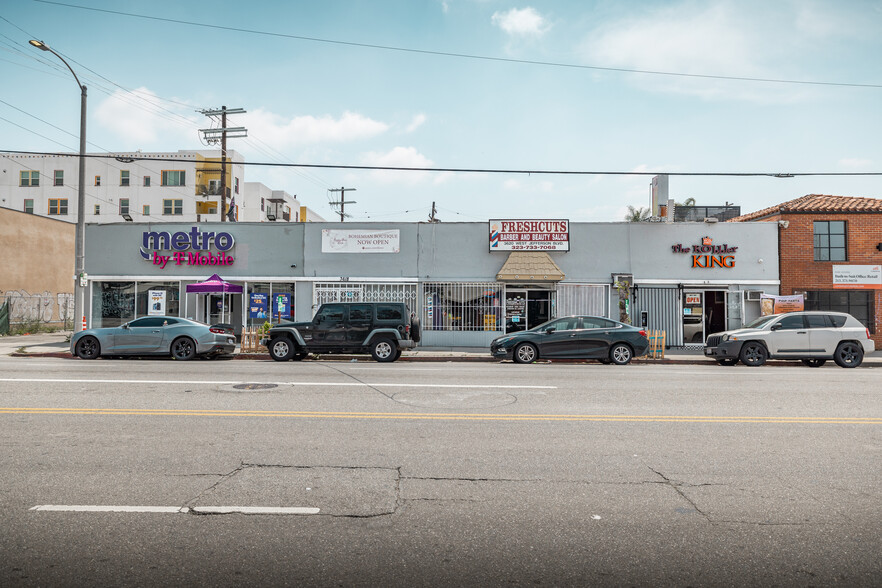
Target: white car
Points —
{"points": [[810, 336]]}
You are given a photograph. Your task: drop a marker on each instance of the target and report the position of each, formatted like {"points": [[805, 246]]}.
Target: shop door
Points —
{"points": [[515, 310], [538, 307]]}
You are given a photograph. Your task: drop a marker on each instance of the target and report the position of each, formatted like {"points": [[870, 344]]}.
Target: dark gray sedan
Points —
{"points": [[573, 337], [155, 335]]}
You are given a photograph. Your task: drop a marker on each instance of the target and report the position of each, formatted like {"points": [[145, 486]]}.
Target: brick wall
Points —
{"points": [[799, 270]]}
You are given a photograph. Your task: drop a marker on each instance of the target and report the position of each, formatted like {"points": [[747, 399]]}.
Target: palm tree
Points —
{"points": [[637, 215], [688, 202]]}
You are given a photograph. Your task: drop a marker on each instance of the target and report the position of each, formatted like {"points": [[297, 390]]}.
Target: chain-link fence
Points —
{"points": [[34, 312]]}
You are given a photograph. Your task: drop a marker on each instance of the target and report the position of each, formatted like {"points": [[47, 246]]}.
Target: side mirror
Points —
{"points": [[776, 327], [550, 330], [125, 326]]}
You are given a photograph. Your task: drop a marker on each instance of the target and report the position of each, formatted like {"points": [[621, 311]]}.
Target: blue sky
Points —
{"points": [[319, 90]]}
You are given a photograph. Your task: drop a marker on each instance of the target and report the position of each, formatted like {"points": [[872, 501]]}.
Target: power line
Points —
{"points": [[479, 170], [466, 55]]}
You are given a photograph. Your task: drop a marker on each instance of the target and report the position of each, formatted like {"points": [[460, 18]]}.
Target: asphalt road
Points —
{"points": [[153, 472]]}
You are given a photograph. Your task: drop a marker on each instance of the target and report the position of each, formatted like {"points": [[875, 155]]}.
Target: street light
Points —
{"points": [[80, 238]]}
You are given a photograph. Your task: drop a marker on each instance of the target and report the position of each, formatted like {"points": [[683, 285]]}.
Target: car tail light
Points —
{"points": [[868, 332], [642, 332], [217, 330]]}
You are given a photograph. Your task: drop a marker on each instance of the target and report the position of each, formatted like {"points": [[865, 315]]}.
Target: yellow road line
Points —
{"points": [[443, 416]]}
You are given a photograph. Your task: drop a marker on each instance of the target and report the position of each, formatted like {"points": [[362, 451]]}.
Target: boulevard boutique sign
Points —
{"points": [[179, 244], [707, 255]]}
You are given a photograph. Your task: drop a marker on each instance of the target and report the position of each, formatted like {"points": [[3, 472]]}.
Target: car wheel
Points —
{"points": [[88, 348], [183, 349], [727, 362], [397, 354], [383, 350], [812, 362], [753, 354], [620, 354], [525, 353], [281, 349], [848, 355]]}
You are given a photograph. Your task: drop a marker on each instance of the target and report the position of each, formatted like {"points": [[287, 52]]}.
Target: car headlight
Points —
{"points": [[502, 340]]}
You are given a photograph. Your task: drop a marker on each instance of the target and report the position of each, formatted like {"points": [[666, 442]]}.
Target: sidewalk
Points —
{"points": [[56, 345]]}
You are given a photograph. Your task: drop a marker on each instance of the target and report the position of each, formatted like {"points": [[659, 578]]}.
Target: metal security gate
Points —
{"points": [[663, 312], [406, 292], [590, 299]]}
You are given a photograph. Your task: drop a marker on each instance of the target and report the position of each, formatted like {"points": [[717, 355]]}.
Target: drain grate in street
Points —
{"points": [[255, 386]]}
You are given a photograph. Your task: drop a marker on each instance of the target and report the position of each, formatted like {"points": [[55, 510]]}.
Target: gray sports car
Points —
{"points": [[155, 335]]}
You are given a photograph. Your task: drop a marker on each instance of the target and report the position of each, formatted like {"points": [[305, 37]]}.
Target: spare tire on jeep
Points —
{"points": [[415, 329]]}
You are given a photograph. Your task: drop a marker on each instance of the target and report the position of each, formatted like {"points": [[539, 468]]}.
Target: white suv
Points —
{"points": [[813, 337]]}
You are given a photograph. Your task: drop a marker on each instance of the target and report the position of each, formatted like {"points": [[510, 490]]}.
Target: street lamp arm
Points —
{"points": [[43, 46]]}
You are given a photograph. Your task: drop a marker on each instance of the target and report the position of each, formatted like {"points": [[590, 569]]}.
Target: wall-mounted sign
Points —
{"points": [[156, 302], [187, 248], [358, 241], [707, 255], [529, 235], [857, 277]]}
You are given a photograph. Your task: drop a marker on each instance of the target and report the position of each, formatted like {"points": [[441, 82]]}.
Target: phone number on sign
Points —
{"points": [[550, 246]]}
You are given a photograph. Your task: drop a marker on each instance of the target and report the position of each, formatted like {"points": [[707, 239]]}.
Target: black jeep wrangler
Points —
{"points": [[382, 329]]}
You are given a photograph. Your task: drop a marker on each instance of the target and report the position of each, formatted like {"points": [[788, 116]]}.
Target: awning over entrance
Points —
{"points": [[529, 266]]}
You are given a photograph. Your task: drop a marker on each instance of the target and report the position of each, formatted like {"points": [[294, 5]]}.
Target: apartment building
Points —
{"points": [[180, 186]]}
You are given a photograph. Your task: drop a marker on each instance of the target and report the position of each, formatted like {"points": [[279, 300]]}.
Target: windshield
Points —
{"points": [[758, 323]]}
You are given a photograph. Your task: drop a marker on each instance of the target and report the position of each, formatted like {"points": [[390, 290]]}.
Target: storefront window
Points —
{"points": [[113, 303], [269, 301], [158, 298], [857, 303], [467, 306]]}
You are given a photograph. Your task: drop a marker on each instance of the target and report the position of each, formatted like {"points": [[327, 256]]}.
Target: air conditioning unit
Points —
{"points": [[754, 295]]}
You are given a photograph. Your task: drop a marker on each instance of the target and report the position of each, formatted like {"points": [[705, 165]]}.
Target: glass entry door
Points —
{"points": [[525, 309]]}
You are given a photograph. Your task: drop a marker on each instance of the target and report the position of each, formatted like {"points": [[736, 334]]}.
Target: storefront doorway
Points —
{"points": [[704, 312], [527, 308]]}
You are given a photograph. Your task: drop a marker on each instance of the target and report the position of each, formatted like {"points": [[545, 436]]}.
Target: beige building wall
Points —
{"points": [[36, 267]]}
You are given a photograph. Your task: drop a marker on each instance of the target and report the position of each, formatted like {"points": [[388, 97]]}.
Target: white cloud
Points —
{"points": [[407, 157], [524, 22], [697, 40], [283, 132], [415, 123], [853, 163], [140, 119]]}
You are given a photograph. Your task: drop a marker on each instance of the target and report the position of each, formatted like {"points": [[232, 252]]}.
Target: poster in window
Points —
{"points": [[258, 306], [281, 306], [157, 302]]}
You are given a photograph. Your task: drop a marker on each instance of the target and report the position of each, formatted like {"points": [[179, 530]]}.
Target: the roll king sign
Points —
{"points": [[193, 247], [707, 255]]}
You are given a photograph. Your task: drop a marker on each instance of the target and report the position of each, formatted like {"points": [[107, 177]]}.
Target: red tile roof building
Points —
{"points": [[819, 232]]}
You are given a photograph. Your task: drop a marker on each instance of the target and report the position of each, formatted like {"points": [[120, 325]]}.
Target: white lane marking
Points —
{"points": [[98, 508], [231, 382], [298, 510]]}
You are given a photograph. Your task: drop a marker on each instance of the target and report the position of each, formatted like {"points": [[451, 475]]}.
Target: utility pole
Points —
{"points": [[343, 202], [432, 217], [214, 135]]}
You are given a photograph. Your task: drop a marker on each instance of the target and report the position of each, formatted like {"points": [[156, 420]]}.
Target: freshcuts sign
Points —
{"points": [[529, 235], [193, 247]]}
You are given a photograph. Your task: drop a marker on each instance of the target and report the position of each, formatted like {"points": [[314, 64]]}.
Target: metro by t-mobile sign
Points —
{"points": [[187, 248]]}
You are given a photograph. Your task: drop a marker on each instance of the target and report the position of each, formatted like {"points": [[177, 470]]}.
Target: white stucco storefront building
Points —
{"points": [[465, 284]]}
